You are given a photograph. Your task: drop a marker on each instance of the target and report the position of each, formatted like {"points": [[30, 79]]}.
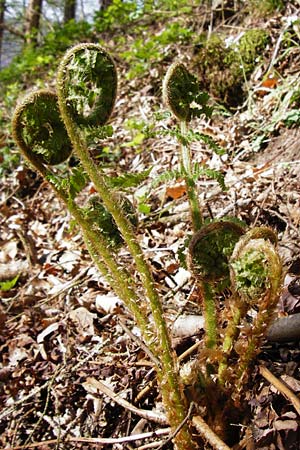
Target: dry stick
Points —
{"points": [[94, 386], [151, 445], [100, 441], [281, 387], [208, 434]]}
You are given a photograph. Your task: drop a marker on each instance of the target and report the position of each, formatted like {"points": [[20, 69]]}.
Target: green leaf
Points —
{"points": [[137, 140], [129, 179], [210, 173], [144, 208], [9, 284], [78, 181], [94, 134]]}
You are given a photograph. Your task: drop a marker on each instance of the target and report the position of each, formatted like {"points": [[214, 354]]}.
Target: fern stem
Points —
{"points": [[231, 333], [168, 375], [191, 188], [210, 315], [117, 277]]}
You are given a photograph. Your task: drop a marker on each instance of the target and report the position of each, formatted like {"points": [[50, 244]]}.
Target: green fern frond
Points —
{"points": [[94, 134], [200, 171], [167, 176], [128, 180], [77, 181]]}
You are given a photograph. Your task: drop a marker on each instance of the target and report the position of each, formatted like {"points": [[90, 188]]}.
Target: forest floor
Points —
{"points": [[62, 329]]}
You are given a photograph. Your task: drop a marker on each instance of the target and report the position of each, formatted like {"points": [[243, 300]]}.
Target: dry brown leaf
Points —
{"points": [[176, 191]]}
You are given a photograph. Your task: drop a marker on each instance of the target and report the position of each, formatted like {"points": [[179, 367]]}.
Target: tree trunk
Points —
{"points": [[69, 10], [33, 15], [2, 11], [103, 4]]}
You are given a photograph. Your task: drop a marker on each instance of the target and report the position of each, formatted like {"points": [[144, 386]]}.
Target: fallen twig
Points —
{"points": [[95, 386], [285, 329], [281, 387], [101, 441], [208, 434]]}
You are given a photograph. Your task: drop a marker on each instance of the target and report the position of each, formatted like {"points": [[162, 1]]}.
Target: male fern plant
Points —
{"points": [[48, 126]]}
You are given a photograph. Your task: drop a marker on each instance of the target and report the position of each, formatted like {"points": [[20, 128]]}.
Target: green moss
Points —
{"points": [[266, 7], [250, 47], [223, 68]]}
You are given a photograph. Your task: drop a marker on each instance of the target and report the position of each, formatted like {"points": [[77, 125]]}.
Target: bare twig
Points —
{"points": [[281, 387], [95, 386], [208, 434], [101, 441]]}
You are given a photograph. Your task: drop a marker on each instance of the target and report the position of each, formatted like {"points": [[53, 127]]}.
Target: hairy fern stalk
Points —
{"points": [[48, 127]]}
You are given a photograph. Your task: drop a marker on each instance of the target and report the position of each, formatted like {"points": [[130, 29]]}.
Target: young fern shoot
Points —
{"points": [[256, 277], [181, 93], [42, 138], [47, 128]]}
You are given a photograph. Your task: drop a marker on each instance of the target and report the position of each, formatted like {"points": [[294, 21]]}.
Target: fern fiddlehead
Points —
{"points": [[39, 130], [183, 97], [256, 276], [84, 106], [208, 255]]}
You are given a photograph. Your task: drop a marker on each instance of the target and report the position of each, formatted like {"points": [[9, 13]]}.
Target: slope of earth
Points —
{"points": [[62, 329]]}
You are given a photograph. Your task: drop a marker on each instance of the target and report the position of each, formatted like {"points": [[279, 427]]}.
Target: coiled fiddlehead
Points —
{"points": [[210, 250], [99, 216], [89, 84], [39, 130], [256, 276], [208, 259], [255, 267], [181, 93]]}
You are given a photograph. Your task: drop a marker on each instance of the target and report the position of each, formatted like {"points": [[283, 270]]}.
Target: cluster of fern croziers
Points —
{"points": [[241, 269]]}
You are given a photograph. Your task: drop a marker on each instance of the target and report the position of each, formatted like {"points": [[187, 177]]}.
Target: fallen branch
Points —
{"points": [[285, 329]]}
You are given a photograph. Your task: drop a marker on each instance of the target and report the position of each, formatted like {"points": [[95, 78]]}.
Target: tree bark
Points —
{"points": [[2, 12], [33, 16], [69, 10], [103, 4]]}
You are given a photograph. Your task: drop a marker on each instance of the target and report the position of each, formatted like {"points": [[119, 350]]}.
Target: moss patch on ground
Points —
{"points": [[224, 67]]}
